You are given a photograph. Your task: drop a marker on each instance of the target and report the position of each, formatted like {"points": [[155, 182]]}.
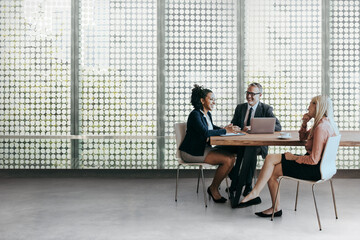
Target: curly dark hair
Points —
{"points": [[198, 92]]}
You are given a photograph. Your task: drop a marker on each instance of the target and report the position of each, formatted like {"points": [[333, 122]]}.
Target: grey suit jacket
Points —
{"points": [[262, 110]]}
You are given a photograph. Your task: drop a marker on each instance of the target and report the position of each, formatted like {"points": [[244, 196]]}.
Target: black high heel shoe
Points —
{"points": [[221, 200], [276, 214]]}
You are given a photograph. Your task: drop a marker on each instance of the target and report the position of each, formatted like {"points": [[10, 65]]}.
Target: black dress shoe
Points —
{"points": [[276, 214], [220, 200], [251, 202], [247, 190]]}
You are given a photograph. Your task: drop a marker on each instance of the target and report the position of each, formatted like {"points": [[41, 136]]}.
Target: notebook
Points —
{"points": [[262, 125], [233, 134]]}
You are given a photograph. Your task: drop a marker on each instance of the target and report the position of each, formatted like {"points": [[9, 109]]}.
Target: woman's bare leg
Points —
{"points": [[265, 174], [225, 163], [273, 185]]}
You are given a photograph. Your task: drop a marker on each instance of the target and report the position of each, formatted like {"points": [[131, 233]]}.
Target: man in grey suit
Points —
{"points": [[243, 113]]}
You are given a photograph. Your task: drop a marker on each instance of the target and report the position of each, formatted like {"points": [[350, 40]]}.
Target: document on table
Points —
{"points": [[232, 134]]}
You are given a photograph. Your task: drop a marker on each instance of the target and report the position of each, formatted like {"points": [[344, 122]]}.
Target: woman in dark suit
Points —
{"points": [[196, 147]]}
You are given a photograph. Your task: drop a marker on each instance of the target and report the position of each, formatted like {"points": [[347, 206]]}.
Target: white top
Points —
{"points": [[210, 126], [252, 114]]}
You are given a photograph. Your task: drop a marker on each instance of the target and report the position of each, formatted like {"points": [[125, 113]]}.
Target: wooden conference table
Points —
{"points": [[348, 138]]}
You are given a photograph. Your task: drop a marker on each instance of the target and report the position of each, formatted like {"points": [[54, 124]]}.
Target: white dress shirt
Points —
{"points": [[210, 126]]}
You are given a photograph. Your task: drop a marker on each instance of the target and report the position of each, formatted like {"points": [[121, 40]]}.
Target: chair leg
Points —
{"points": [[333, 196], [197, 187], [177, 179], [256, 175], [203, 183], [317, 212], [277, 193], [297, 194], [227, 186]]}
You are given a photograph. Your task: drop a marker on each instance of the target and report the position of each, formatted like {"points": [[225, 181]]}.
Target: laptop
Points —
{"points": [[262, 125]]}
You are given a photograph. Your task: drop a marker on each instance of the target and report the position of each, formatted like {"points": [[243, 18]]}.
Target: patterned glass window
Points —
{"points": [[118, 73], [201, 48], [118, 82], [283, 54], [118, 154], [34, 154], [34, 82], [345, 72]]}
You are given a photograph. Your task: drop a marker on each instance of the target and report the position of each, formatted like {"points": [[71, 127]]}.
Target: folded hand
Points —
{"points": [[232, 129], [236, 129]]}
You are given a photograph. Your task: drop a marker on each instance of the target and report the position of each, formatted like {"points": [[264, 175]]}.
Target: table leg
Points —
{"points": [[240, 184], [241, 179]]}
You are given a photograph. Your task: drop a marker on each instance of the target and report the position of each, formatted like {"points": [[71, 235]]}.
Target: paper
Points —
{"points": [[232, 134]]}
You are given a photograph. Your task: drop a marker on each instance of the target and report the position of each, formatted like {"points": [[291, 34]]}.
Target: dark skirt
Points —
{"points": [[302, 171]]}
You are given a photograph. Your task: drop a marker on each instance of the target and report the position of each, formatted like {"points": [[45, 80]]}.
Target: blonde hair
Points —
{"points": [[324, 108]]}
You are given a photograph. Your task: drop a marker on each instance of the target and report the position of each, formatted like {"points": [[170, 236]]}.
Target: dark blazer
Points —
{"points": [[197, 133], [262, 110]]}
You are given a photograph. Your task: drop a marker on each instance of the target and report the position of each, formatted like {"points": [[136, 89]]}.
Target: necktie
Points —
{"points": [[249, 117]]}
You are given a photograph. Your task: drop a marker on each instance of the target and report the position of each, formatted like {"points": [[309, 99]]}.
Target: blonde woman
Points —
{"points": [[305, 167]]}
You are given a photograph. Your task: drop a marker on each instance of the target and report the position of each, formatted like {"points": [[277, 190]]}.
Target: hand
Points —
{"points": [[290, 156], [232, 128], [306, 118], [246, 128], [229, 128], [236, 128]]}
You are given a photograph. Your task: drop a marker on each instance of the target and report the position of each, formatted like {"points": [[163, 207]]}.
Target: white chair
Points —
{"points": [[180, 131], [327, 170]]}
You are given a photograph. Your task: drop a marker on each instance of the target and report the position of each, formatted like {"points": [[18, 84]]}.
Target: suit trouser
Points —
{"points": [[248, 154]]}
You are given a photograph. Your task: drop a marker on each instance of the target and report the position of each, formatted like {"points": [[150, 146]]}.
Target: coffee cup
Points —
{"points": [[285, 134]]}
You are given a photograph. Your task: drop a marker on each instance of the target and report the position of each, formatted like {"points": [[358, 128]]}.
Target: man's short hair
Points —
{"points": [[258, 85]]}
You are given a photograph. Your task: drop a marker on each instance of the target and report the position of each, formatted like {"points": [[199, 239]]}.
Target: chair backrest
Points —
{"points": [[328, 161], [180, 131]]}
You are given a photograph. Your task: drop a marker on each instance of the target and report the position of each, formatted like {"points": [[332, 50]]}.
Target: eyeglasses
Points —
{"points": [[251, 93]]}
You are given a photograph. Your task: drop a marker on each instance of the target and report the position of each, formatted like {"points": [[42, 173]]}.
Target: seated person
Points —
{"points": [[305, 167], [196, 147], [243, 114]]}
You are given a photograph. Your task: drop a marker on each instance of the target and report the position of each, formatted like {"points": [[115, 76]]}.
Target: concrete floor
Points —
{"points": [[100, 208]]}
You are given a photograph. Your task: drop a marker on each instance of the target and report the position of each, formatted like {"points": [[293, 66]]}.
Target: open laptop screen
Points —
{"points": [[262, 125]]}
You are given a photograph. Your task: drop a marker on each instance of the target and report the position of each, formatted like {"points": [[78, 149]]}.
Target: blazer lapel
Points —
{"points": [[259, 110], [243, 113], [203, 118], [209, 114]]}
